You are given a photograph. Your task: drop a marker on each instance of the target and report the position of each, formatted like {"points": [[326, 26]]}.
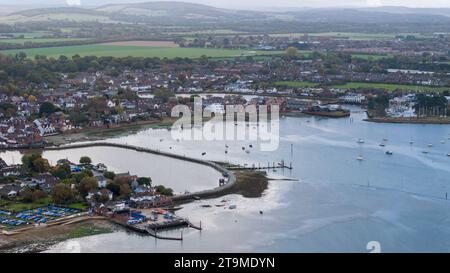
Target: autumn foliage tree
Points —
{"points": [[62, 194]]}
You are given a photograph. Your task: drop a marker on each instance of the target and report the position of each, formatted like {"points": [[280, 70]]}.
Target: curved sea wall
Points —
{"points": [[226, 188]]}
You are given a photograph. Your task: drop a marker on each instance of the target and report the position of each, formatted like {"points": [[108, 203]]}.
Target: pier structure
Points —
{"points": [[269, 166]]}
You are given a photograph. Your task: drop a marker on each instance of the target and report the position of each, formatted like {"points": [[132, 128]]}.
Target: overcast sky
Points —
{"points": [[253, 3]]}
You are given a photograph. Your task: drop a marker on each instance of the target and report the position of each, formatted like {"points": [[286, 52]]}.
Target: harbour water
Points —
{"points": [[338, 204]]}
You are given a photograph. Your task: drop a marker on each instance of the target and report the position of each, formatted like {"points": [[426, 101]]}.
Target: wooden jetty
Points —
{"points": [[153, 228], [269, 166]]}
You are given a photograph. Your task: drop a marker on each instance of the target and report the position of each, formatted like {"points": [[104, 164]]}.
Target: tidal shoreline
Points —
{"points": [[441, 121], [96, 134], [250, 184], [39, 239]]}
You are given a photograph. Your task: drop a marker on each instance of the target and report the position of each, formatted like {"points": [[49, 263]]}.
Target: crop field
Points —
{"points": [[38, 40], [102, 50], [144, 43]]}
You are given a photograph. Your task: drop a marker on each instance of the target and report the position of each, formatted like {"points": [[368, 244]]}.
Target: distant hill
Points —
{"points": [[8, 9], [373, 15], [180, 14], [405, 10], [140, 12], [175, 11], [54, 14]]}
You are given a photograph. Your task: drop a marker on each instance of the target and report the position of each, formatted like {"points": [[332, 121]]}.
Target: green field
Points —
{"points": [[134, 51], [38, 40], [390, 87], [370, 56], [296, 84], [17, 206]]}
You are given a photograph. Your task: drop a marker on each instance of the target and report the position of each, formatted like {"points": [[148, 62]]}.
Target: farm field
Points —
{"points": [[143, 43], [134, 51], [38, 40]]}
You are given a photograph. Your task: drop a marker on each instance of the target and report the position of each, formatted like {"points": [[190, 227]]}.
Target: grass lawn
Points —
{"points": [[17, 206], [135, 51], [390, 87], [80, 206], [296, 84]]}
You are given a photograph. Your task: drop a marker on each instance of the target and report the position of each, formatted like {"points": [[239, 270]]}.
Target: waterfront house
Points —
{"points": [[10, 190], [102, 181], [45, 181], [103, 192]]}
